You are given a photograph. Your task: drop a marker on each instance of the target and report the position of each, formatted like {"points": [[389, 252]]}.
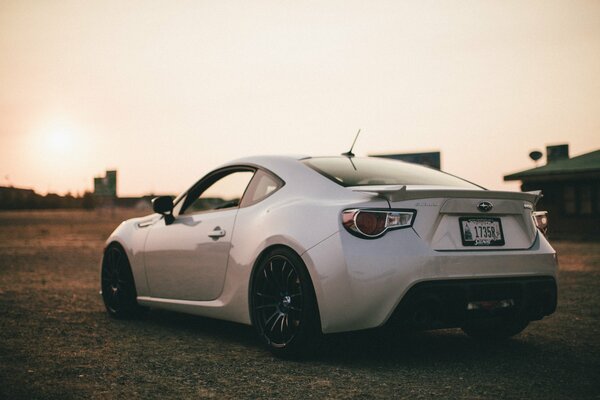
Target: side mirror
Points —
{"points": [[164, 205]]}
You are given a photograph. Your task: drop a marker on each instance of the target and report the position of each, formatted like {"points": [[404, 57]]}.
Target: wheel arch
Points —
{"points": [[119, 294], [115, 242], [261, 257]]}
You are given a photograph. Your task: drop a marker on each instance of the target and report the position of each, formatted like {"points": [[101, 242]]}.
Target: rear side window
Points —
{"points": [[262, 186], [347, 171]]}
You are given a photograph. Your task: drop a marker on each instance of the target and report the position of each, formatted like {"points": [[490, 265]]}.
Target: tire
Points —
{"points": [[494, 330], [118, 287], [283, 305]]}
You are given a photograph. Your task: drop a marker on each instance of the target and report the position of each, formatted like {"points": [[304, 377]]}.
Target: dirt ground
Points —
{"points": [[56, 340]]}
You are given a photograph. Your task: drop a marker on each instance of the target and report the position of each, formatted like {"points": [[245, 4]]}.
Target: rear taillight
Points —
{"points": [[541, 220], [372, 224]]}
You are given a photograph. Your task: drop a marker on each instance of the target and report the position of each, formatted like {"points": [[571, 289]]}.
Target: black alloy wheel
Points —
{"points": [[283, 304], [118, 287]]}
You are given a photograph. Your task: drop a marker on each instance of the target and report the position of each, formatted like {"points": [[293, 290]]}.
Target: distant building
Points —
{"points": [[105, 189], [431, 159], [12, 198], [17, 198], [106, 185], [571, 188], [105, 194]]}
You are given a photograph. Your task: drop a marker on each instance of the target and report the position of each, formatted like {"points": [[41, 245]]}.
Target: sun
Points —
{"points": [[59, 139]]}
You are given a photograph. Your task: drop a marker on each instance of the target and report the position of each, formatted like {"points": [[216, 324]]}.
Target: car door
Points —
{"points": [[187, 258]]}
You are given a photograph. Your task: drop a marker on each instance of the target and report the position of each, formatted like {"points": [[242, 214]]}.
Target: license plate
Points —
{"points": [[477, 231]]}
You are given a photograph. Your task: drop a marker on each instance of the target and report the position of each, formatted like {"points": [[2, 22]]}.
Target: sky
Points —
{"points": [[166, 91]]}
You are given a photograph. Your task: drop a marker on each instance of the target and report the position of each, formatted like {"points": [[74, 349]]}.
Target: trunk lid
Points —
{"points": [[463, 219]]}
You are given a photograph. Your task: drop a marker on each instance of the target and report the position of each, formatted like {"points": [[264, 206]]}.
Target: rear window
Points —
{"points": [[347, 171]]}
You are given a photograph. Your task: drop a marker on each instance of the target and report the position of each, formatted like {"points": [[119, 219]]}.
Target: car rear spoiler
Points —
{"points": [[400, 192]]}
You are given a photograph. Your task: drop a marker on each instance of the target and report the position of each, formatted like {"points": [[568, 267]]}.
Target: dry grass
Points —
{"points": [[57, 342]]}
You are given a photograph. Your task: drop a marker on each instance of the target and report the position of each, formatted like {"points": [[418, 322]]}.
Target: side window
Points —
{"points": [[226, 192], [263, 185]]}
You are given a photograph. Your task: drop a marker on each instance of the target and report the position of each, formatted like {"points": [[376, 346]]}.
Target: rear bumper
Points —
{"points": [[448, 304], [361, 284]]}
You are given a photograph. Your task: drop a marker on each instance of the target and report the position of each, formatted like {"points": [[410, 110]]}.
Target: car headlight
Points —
{"points": [[370, 224]]}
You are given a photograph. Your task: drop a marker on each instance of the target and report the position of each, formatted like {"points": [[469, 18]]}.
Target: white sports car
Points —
{"points": [[300, 247]]}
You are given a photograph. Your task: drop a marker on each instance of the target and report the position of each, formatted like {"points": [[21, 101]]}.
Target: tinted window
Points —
{"points": [[377, 171], [262, 186], [226, 192]]}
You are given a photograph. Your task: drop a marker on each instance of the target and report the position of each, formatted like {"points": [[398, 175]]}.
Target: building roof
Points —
{"points": [[583, 164]]}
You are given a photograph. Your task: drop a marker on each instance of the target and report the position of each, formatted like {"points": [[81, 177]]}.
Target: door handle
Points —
{"points": [[217, 233]]}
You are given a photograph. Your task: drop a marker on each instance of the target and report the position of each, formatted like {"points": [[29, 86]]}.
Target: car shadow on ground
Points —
{"points": [[374, 347], [420, 347], [200, 327]]}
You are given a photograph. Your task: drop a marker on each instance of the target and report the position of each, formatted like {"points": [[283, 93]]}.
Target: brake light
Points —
{"points": [[541, 220], [372, 224]]}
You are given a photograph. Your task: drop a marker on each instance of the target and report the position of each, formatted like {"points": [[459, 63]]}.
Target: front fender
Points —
{"points": [[131, 235]]}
